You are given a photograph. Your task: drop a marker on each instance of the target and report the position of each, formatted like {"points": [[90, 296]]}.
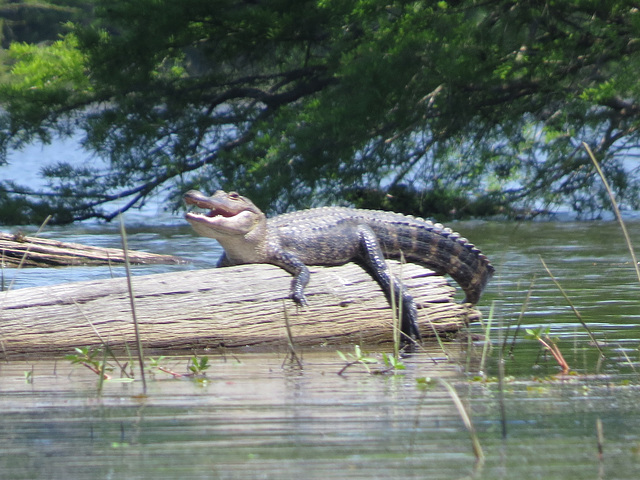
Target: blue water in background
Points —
{"points": [[25, 166]]}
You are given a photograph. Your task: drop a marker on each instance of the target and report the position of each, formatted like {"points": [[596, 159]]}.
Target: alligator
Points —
{"points": [[337, 235]]}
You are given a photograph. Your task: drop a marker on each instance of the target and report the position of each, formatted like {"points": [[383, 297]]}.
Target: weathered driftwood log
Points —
{"points": [[231, 307], [42, 252]]}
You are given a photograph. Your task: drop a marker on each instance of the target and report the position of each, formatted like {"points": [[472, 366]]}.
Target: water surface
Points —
{"points": [[257, 416]]}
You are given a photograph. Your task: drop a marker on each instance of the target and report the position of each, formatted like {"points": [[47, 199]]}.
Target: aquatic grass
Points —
{"points": [[358, 357], [462, 411], [396, 317], [291, 353], [196, 367], [392, 362], [575, 310], [525, 304], [616, 210], [104, 343], [125, 250], [438, 338], [101, 376], [199, 365], [627, 359], [487, 338], [28, 376], [600, 438], [501, 404], [88, 357], [542, 336]]}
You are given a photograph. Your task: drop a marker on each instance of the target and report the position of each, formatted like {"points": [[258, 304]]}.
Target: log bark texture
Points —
{"points": [[243, 306], [41, 252]]}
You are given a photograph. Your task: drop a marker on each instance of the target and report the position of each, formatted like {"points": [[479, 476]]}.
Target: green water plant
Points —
{"points": [[92, 358], [393, 362], [199, 365], [196, 366], [542, 336], [358, 357]]}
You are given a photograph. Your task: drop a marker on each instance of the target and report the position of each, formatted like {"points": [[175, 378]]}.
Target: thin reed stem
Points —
{"points": [[616, 210], [487, 338], [525, 304], [477, 448], [102, 340], [127, 265], [292, 348], [600, 438], [575, 310], [2, 271], [395, 315], [436, 334]]}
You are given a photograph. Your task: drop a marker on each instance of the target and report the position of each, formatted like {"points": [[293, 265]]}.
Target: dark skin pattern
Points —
{"points": [[337, 235]]}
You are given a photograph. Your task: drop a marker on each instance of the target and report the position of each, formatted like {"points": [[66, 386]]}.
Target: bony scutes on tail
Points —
{"points": [[337, 235]]}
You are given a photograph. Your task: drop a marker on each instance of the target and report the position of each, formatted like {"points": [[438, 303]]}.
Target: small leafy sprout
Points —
{"points": [[392, 362], [355, 358], [199, 365], [28, 376], [541, 334], [196, 366], [155, 362], [92, 358]]}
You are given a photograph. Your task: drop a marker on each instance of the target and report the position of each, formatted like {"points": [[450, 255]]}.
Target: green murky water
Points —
{"points": [[257, 416]]}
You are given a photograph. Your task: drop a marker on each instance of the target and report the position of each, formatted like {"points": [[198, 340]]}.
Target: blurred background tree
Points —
{"points": [[452, 108]]}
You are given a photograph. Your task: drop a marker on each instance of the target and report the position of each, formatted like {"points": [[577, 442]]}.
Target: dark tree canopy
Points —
{"points": [[442, 107]]}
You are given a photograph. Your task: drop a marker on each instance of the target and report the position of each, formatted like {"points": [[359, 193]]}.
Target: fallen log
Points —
{"points": [[41, 252], [243, 306]]}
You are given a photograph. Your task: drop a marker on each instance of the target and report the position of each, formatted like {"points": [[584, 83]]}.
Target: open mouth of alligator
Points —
{"points": [[199, 211], [204, 207]]}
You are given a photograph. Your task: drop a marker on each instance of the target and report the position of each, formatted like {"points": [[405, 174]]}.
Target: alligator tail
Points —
{"points": [[440, 249]]}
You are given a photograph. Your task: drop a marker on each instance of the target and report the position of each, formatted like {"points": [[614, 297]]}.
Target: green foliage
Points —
{"points": [[199, 365], [541, 335], [538, 333], [358, 357], [393, 362], [480, 106], [91, 357]]}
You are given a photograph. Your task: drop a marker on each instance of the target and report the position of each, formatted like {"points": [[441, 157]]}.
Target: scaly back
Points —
{"points": [[419, 241]]}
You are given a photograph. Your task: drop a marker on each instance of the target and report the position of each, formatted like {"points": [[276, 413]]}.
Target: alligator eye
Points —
{"points": [[234, 195]]}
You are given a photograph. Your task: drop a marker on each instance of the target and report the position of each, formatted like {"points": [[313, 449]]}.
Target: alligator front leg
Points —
{"points": [[372, 260], [300, 272]]}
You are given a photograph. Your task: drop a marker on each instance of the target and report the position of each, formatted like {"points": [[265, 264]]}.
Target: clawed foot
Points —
{"points": [[299, 298]]}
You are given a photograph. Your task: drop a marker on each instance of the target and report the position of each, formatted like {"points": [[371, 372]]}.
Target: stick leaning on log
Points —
{"points": [[239, 306]]}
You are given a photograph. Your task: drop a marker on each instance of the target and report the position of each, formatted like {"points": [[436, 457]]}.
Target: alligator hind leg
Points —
{"points": [[372, 260]]}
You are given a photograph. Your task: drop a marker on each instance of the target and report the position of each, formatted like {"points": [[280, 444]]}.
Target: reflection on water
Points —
{"points": [[256, 418]]}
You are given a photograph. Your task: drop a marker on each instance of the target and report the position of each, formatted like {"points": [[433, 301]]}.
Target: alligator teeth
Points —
{"points": [[196, 210]]}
